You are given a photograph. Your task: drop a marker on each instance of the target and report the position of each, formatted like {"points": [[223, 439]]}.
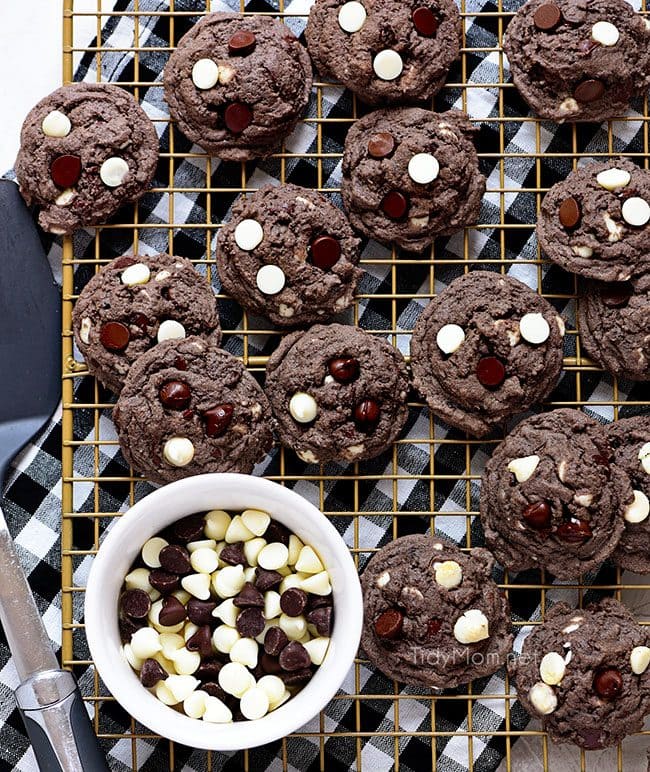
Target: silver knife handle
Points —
{"points": [[60, 731]]}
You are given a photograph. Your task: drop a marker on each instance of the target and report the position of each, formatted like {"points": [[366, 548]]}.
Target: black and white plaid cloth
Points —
{"points": [[33, 501]]}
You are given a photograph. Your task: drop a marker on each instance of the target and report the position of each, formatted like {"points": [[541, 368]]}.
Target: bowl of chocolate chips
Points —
{"points": [[223, 611]]}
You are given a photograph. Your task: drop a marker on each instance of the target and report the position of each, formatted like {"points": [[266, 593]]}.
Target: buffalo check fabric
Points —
{"points": [[363, 729]]}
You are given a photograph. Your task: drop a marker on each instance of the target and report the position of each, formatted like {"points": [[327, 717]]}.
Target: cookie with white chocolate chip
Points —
{"points": [[385, 51], [86, 150], [596, 222], [289, 254], [237, 85], [552, 495], [337, 392], [630, 442], [188, 407], [135, 302], [485, 348], [578, 61], [614, 325], [433, 616], [410, 175], [584, 673]]}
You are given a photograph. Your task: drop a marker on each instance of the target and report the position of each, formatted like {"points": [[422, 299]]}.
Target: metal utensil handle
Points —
{"points": [[60, 731]]}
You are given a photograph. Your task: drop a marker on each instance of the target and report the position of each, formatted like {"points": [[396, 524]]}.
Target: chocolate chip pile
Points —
{"points": [[226, 617]]}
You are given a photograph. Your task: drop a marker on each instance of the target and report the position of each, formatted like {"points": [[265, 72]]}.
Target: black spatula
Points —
{"points": [[30, 366]]}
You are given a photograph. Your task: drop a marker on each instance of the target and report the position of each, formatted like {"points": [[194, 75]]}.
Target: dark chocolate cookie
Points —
{"points": [[134, 303], [385, 51], [432, 614], [86, 149], [583, 672], [630, 442], [578, 60], [484, 349], [337, 392], [237, 85], [596, 221], [289, 254], [188, 407], [551, 496], [615, 325], [410, 175]]}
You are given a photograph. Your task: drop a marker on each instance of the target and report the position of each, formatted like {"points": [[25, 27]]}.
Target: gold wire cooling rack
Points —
{"points": [[539, 752]]}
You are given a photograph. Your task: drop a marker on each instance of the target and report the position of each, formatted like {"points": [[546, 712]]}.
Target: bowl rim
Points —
{"points": [[122, 682]]}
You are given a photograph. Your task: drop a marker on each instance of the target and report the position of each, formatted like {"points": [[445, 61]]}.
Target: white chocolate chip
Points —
{"points": [[216, 712], [151, 551], [523, 468], [138, 579], [568, 106], [273, 687], [270, 279], [237, 531], [170, 330], [272, 604], [534, 328], [162, 275], [542, 698], [639, 509], [197, 585], [171, 643], [552, 668], [205, 74], [583, 499], [113, 171], [352, 451], [252, 549], [224, 638], [560, 325], [317, 649], [194, 704], [204, 560], [308, 561], [65, 197], [254, 703], [245, 651], [614, 229], [138, 273], [273, 556], [640, 659], [471, 626], [145, 642], [295, 547], [292, 580], [582, 251], [181, 686], [387, 64], [449, 338], [56, 124], [571, 628], [317, 584], [248, 235], [235, 679], [605, 33], [644, 457], [135, 662], [303, 407], [635, 211], [228, 581], [154, 618], [178, 451], [286, 311], [437, 546], [163, 693], [613, 179], [216, 524], [84, 330], [448, 574], [226, 74], [227, 612], [193, 546], [383, 579], [562, 469], [423, 168], [255, 520], [352, 16], [293, 627]]}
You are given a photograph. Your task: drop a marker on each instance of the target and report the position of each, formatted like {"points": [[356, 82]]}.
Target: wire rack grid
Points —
{"points": [[437, 478]]}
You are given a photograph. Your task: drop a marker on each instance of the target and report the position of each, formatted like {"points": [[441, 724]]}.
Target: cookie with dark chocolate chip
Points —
{"points": [[86, 150], [584, 673], [188, 407], [237, 85], [553, 497], [433, 616], [385, 51], [337, 392], [615, 325], [410, 175], [630, 442], [289, 254], [574, 60], [135, 302], [485, 348], [596, 222]]}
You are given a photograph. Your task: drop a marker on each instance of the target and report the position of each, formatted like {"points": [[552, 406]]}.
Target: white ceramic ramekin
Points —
{"points": [[196, 494]]}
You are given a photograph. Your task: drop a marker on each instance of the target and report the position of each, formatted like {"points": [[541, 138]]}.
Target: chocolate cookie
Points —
{"points": [[410, 175], [578, 60], [485, 348], [615, 325], [630, 442], [432, 614], [188, 407], [384, 50], [288, 254], [583, 672], [134, 303], [337, 392], [86, 150], [551, 496], [595, 222], [237, 85]]}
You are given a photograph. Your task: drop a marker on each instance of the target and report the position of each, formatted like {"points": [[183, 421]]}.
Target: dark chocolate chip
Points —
{"points": [[324, 252], [366, 415], [266, 580], [275, 640], [114, 336], [241, 43], [238, 117], [569, 213], [608, 683], [65, 170], [381, 145], [321, 618], [217, 419], [425, 21], [589, 90], [209, 669], [394, 205], [172, 612], [233, 554], [547, 17], [317, 601], [294, 657], [214, 690], [175, 395], [296, 677], [389, 624], [490, 372], [201, 641], [538, 515], [433, 627], [180, 363], [616, 293], [129, 626], [123, 262], [277, 532], [200, 611], [344, 369], [135, 604], [190, 528], [270, 664], [175, 559], [574, 531], [164, 582], [249, 597], [293, 601], [151, 673], [250, 622]]}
